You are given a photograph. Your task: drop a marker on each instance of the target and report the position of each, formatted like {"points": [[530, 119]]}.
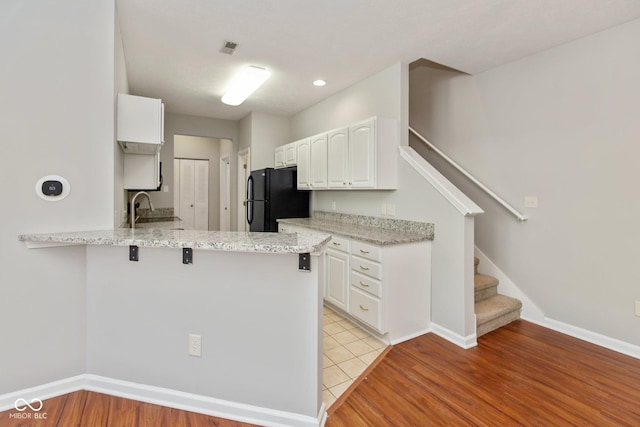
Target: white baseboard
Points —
{"points": [[465, 342], [593, 337], [42, 392], [166, 397], [530, 311], [409, 337]]}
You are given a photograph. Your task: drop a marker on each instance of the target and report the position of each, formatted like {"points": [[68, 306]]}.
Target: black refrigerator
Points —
{"points": [[272, 194]]}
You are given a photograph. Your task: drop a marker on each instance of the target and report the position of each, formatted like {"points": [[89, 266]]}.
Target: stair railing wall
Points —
{"points": [[497, 198]]}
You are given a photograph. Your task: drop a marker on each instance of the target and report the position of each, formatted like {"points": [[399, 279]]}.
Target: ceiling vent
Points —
{"points": [[229, 48]]}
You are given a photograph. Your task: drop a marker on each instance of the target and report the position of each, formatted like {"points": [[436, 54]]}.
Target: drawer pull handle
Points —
{"points": [[363, 308], [363, 251], [365, 285], [364, 268], [336, 244]]}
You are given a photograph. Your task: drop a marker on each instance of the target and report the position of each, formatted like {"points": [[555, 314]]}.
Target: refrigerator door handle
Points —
{"points": [[250, 200]]}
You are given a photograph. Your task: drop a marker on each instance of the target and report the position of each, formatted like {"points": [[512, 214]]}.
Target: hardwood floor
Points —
{"points": [[521, 374], [89, 409]]}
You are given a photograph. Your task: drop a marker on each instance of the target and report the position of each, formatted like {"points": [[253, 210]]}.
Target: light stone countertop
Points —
{"points": [[276, 243], [379, 231]]}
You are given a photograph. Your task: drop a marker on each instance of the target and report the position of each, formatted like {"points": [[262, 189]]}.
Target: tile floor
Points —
{"points": [[348, 350]]}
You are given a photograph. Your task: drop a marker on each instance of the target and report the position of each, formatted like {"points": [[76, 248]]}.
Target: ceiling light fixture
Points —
{"points": [[244, 84], [319, 83]]}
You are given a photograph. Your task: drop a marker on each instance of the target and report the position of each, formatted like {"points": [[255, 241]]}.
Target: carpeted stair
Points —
{"points": [[492, 309]]}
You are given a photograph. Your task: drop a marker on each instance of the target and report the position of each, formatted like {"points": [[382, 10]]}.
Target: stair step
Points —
{"points": [[485, 287], [476, 261], [495, 312]]}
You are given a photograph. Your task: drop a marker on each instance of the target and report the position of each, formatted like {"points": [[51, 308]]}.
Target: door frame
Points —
{"points": [[225, 193], [244, 170]]}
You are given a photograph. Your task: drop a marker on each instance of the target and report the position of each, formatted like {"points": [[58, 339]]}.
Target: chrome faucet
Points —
{"points": [[133, 206]]}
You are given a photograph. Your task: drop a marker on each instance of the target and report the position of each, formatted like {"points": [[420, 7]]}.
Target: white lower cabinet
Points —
{"points": [[366, 308], [337, 278], [387, 289]]}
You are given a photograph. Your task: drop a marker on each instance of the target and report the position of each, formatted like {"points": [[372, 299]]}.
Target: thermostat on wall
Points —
{"points": [[52, 187]]}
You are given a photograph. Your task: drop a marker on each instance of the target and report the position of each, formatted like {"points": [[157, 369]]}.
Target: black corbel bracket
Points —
{"points": [[304, 262], [187, 256], [133, 253]]}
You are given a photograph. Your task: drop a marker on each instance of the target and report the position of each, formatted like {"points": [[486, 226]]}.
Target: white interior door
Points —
{"points": [[186, 188], [176, 187], [193, 192], [201, 195], [225, 194]]}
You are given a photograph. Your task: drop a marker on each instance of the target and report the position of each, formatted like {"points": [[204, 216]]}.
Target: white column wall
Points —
{"points": [[57, 117]]}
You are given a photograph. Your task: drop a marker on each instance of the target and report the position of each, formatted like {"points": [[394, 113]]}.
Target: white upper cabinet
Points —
{"points": [[141, 172], [279, 159], [338, 158], [362, 155], [140, 124], [318, 164], [286, 155], [303, 148], [290, 154]]}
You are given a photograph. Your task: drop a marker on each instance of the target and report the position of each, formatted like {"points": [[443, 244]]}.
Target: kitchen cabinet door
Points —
{"points": [[338, 158], [140, 124], [290, 154], [362, 155], [318, 169], [201, 195], [303, 148], [279, 157], [141, 171], [337, 280]]}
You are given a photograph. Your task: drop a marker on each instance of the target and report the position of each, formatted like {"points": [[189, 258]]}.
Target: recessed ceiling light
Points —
{"points": [[319, 83], [244, 84]]}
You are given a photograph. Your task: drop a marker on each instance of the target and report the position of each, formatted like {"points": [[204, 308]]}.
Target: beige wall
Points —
{"points": [[262, 133], [561, 125]]}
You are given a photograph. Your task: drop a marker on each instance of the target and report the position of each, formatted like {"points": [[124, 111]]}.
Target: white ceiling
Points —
{"points": [[172, 47]]}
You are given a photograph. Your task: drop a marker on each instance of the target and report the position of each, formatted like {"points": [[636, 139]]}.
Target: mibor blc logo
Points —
{"points": [[28, 410]]}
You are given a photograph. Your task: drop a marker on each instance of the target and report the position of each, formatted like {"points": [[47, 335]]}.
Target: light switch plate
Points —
{"points": [[195, 345], [637, 308], [531, 202]]}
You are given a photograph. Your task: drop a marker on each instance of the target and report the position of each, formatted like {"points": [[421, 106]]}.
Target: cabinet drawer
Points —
{"points": [[339, 243], [365, 250], [366, 308], [363, 266], [367, 284]]}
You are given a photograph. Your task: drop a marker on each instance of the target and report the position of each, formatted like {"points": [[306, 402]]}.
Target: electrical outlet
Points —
{"points": [[383, 209], [333, 206], [637, 308], [165, 188], [195, 345], [531, 202], [391, 209]]}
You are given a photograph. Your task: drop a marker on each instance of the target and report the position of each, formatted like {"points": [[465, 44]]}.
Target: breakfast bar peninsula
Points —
{"points": [[222, 323]]}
